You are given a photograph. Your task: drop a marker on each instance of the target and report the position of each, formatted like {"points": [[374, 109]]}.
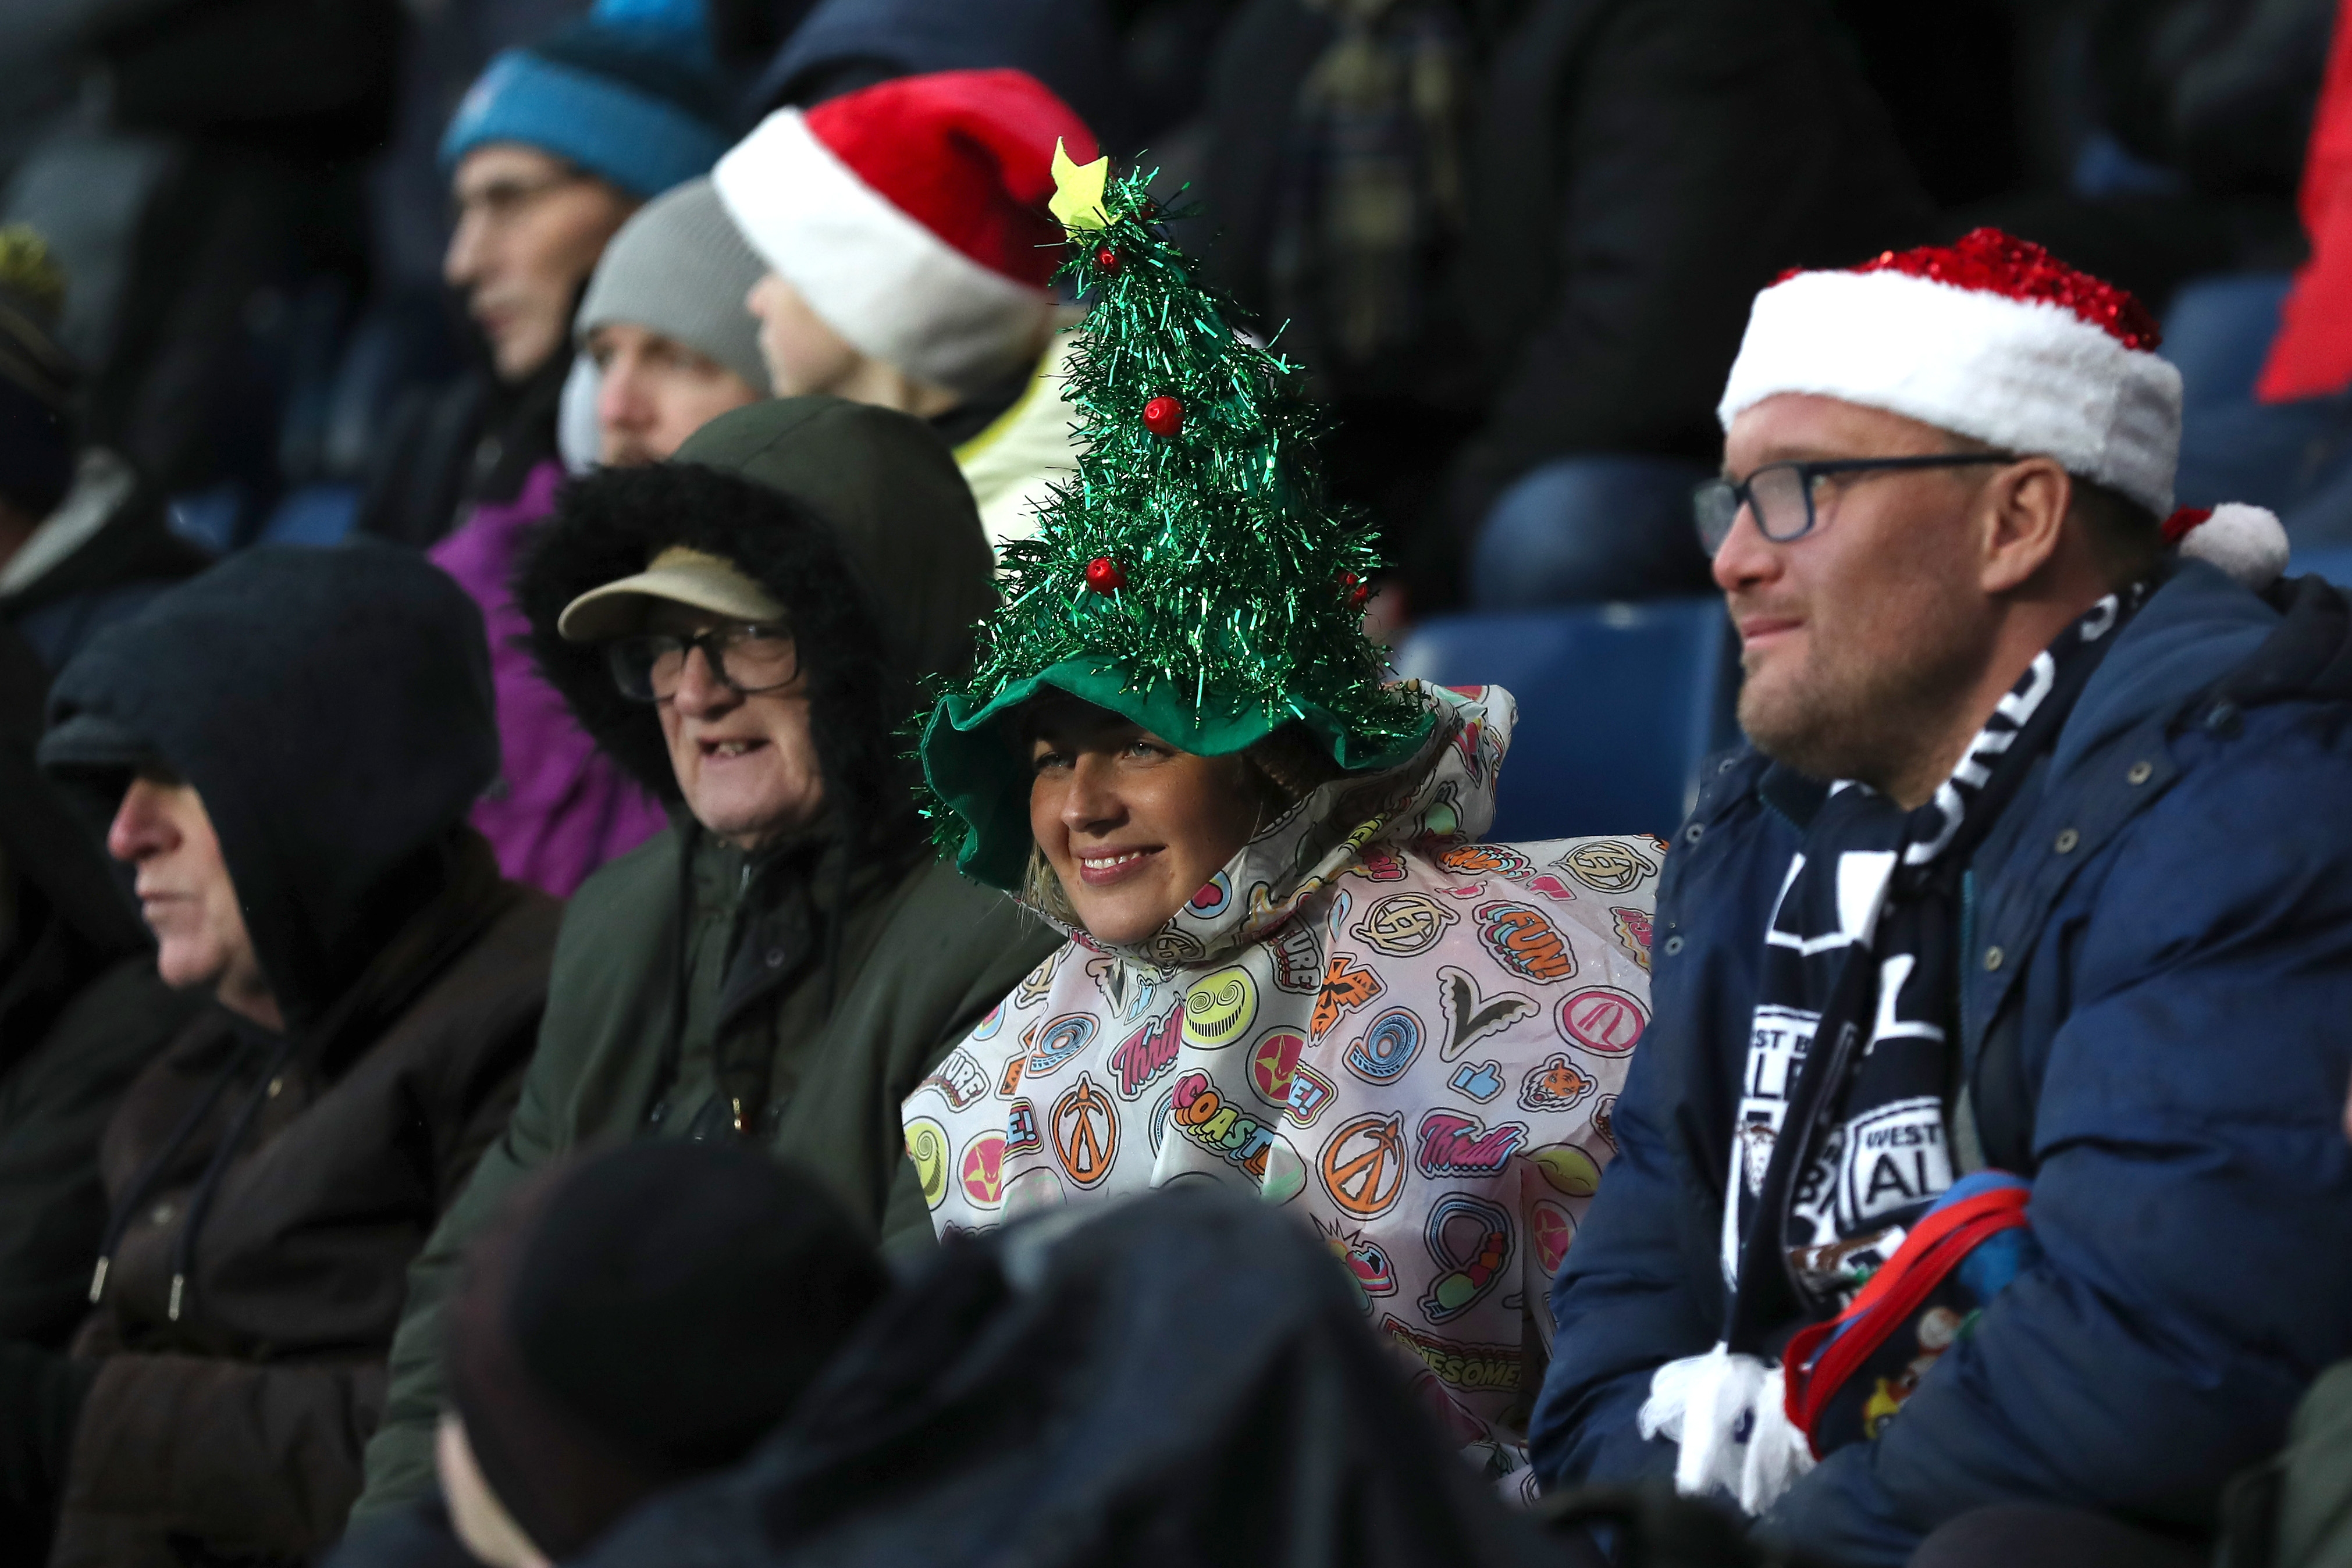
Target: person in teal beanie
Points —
{"points": [[553, 149]]}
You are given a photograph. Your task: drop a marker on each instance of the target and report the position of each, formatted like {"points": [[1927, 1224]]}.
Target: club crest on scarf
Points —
{"points": [[1861, 958]]}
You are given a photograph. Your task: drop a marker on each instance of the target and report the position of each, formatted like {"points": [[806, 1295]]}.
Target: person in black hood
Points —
{"points": [[743, 629], [81, 1011], [287, 745]]}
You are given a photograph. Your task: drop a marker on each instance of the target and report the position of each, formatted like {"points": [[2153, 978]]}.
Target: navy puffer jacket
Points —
{"points": [[2156, 1018]]}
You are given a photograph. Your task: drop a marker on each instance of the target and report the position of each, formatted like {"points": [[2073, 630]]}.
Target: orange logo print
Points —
{"points": [[1085, 1131], [1484, 857], [1343, 988], [1364, 1165]]}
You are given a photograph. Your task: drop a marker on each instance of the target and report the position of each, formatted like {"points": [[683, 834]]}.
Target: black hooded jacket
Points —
{"points": [[81, 1010], [1185, 1379], [794, 995], [332, 710]]}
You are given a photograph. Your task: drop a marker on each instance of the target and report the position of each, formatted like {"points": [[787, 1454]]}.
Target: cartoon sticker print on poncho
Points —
{"points": [[1409, 1039]]}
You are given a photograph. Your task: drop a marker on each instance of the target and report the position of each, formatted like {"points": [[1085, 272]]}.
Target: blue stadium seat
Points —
{"points": [[2333, 562], [313, 515], [1618, 705]]}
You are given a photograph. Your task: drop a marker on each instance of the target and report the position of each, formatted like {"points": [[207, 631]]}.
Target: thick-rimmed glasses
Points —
{"points": [[1781, 494], [746, 656]]}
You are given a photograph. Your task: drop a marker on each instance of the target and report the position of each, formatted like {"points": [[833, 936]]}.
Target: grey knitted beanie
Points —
{"points": [[680, 267]]}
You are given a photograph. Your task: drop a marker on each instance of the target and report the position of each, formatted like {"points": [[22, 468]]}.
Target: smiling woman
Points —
{"points": [[1291, 968], [1128, 825]]}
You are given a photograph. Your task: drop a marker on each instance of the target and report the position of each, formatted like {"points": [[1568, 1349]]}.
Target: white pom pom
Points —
{"points": [[2247, 542]]}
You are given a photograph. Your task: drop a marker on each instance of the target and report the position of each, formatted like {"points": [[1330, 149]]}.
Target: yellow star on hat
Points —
{"points": [[1078, 190]]}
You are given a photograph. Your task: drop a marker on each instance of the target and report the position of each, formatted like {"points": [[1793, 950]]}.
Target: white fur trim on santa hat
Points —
{"points": [[891, 287], [2023, 375], [2247, 542]]}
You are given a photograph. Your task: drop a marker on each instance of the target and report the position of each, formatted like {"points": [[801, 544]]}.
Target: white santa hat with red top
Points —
{"points": [[1994, 339], [911, 216]]}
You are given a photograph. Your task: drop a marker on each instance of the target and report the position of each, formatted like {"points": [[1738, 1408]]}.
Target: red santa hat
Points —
{"points": [[1995, 338], [911, 216], [1992, 337]]}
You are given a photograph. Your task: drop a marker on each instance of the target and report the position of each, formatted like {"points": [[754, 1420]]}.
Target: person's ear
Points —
{"points": [[2021, 516]]}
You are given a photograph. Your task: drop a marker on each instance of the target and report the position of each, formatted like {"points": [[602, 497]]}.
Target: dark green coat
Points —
{"points": [[922, 956], [794, 998]]}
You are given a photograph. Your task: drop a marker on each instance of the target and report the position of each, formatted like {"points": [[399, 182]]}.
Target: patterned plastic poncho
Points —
{"points": [[1409, 1039]]}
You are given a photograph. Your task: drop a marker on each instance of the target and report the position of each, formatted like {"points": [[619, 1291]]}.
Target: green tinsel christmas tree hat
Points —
{"points": [[1193, 577]]}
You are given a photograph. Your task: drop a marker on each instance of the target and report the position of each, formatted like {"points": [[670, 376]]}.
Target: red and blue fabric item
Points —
{"points": [[1846, 1378]]}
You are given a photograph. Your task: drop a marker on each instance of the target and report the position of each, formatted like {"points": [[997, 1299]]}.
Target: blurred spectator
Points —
{"points": [[206, 194], [665, 324], [82, 542], [1515, 248], [1187, 1378], [287, 745], [2297, 423], [2194, 117], [838, 47], [444, 48], [81, 1011], [1948, 75], [909, 247], [743, 629], [550, 152], [617, 1334]]}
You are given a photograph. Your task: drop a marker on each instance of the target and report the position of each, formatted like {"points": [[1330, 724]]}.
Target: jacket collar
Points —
{"points": [[2195, 629]]}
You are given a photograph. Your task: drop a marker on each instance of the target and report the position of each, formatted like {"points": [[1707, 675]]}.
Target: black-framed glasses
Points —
{"points": [[747, 657], [1781, 494]]}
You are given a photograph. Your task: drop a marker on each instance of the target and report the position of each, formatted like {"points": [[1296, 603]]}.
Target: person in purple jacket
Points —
{"points": [[665, 323]]}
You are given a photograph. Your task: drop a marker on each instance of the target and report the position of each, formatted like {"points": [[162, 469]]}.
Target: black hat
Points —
{"points": [[644, 1316]]}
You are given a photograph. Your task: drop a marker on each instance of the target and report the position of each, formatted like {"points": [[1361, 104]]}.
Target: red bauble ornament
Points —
{"points": [[1163, 415], [1104, 575], [1358, 591], [1106, 259]]}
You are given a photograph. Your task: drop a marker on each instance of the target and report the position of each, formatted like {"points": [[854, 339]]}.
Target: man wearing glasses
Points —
{"points": [[743, 630], [2032, 887]]}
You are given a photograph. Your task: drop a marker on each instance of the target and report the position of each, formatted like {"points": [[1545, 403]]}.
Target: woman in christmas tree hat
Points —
{"points": [[1290, 966]]}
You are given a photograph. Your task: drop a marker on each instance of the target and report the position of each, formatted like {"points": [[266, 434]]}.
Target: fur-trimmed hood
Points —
{"points": [[854, 518]]}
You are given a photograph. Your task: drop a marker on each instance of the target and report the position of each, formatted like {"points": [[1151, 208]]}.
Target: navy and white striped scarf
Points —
{"points": [[1861, 955]]}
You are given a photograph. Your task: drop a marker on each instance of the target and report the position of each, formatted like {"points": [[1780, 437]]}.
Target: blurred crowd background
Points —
{"points": [[1512, 241]]}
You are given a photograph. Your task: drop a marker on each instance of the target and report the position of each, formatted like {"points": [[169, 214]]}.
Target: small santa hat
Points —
{"points": [[911, 216], [1991, 338], [2248, 543]]}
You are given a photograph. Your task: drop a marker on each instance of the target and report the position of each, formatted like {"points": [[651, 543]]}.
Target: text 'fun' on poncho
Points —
{"points": [[1409, 1039]]}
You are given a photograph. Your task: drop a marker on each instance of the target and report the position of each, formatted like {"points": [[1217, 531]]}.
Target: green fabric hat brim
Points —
{"points": [[972, 768]]}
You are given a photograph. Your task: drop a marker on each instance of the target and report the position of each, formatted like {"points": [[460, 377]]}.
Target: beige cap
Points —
{"points": [[678, 574]]}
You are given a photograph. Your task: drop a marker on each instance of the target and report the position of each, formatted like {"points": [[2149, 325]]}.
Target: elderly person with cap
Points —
{"points": [[665, 324], [2002, 977], [741, 630], [286, 746], [908, 250], [550, 152]]}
